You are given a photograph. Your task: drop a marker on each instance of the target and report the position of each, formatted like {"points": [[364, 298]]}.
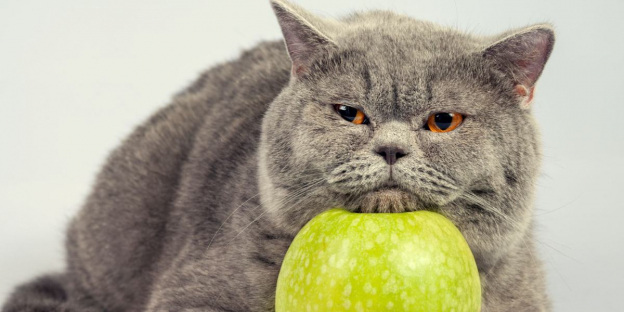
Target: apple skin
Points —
{"points": [[412, 261]]}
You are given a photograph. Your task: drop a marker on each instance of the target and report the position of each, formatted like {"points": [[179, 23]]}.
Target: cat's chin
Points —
{"points": [[387, 199]]}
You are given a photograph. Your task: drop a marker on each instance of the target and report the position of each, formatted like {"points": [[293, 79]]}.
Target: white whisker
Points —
{"points": [[301, 191], [253, 209], [489, 208]]}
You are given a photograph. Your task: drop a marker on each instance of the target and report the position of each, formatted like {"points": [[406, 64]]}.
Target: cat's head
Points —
{"points": [[384, 113]]}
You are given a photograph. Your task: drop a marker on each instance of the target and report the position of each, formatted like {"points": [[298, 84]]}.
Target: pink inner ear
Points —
{"points": [[535, 59], [521, 90], [298, 70], [525, 94], [524, 55]]}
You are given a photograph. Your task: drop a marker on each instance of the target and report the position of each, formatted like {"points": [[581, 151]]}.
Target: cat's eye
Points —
{"points": [[351, 114], [444, 122]]}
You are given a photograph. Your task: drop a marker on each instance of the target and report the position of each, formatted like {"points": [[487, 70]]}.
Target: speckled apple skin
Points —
{"points": [[413, 261]]}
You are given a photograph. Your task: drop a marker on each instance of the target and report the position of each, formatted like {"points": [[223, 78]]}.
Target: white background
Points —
{"points": [[76, 76]]}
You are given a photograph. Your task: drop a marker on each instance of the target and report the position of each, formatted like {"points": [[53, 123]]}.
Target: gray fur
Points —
{"points": [[195, 210]]}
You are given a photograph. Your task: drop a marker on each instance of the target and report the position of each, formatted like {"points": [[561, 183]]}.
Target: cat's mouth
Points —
{"points": [[387, 198], [387, 189]]}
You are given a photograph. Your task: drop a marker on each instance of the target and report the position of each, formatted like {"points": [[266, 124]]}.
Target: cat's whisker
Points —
{"points": [[298, 192], [489, 208], [284, 202], [485, 205], [535, 262], [439, 173], [284, 211], [552, 262], [558, 251], [294, 194], [252, 210], [561, 207], [228, 217]]}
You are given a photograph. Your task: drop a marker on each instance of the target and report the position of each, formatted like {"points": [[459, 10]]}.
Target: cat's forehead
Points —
{"points": [[389, 36]]}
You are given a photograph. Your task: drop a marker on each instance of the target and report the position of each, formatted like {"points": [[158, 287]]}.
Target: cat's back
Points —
{"points": [[121, 229]]}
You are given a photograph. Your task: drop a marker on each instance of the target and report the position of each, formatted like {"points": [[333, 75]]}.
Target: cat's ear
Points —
{"points": [[303, 36], [522, 55]]}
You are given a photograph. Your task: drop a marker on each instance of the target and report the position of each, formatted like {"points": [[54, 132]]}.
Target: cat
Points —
{"points": [[374, 112]]}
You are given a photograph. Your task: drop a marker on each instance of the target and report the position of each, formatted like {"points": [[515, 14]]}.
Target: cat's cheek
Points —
{"points": [[323, 137], [466, 153], [443, 149]]}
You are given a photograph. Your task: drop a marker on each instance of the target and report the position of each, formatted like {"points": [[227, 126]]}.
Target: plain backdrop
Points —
{"points": [[77, 76]]}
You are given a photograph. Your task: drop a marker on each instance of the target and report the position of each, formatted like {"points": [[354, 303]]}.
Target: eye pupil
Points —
{"points": [[347, 112], [351, 114], [443, 120]]}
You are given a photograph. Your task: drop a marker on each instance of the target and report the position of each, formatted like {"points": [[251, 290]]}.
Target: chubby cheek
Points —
{"points": [[465, 154], [323, 139]]}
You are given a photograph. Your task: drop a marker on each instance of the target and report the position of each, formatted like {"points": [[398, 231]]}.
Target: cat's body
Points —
{"points": [[197, 208]]}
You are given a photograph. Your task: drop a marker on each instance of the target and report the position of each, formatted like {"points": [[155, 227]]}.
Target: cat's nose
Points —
{"points": [[390, 153]]}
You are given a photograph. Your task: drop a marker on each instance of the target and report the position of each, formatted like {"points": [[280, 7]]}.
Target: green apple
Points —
{"points": [[344, 261]]}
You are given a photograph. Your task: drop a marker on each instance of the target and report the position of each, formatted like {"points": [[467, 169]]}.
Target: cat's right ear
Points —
{"points": [[522, 55], [302, 35]]}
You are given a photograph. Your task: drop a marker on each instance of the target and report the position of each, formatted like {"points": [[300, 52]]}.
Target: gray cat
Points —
{"points": [[375, 112]]}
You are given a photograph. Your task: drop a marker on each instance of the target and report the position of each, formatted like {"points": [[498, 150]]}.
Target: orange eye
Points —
{"points": [[351, 114], [444, 122]]}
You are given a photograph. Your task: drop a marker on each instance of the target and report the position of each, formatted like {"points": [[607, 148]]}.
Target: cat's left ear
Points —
{"points": [[522, 56], [304, 38]]}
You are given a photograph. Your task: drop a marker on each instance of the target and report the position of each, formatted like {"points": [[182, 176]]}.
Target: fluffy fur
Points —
{"points": [[196, 209]]}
